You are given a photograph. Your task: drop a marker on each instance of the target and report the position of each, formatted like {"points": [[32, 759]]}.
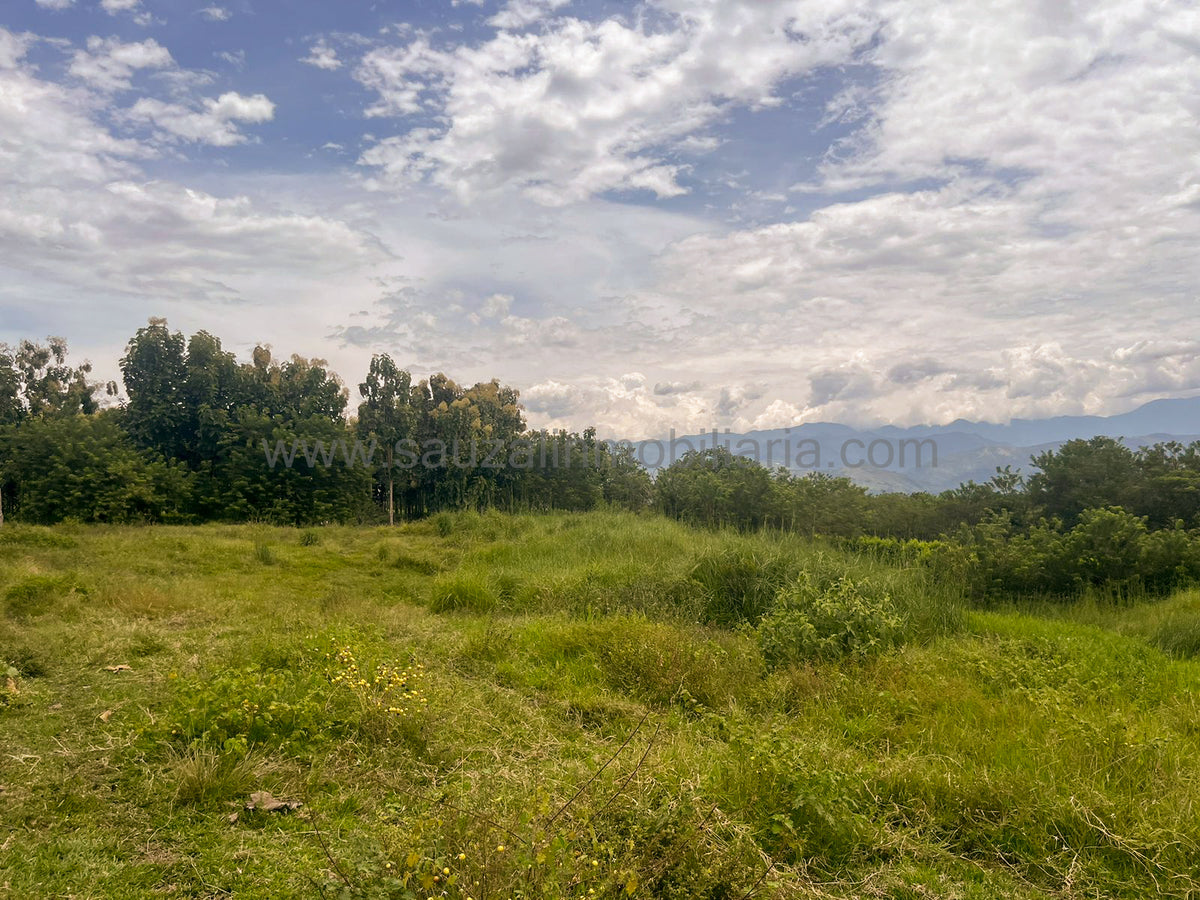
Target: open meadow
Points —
{"points": [[575, 705]]}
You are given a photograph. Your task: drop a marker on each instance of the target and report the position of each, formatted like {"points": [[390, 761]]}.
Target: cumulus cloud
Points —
{"points": [[134, 7], [13, 48], [214, 122], [581, 107], [522, 13], [322, 56], [216, 13], [497, 305], [83, 224], [108, 64]]}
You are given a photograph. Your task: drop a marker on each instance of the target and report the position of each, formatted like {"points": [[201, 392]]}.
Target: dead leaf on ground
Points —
{"points": [[104, 716], [120, 668], [262, 800], [55, 706]]}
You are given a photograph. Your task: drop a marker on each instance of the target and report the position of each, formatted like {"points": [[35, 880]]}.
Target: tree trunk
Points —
{"points": [[391, 492]]}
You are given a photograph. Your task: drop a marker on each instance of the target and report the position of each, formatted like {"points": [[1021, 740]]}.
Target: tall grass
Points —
{"points": [[598, 705]]}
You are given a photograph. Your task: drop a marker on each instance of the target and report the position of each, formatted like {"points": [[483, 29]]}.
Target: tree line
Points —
{"points": [[191, 442]]}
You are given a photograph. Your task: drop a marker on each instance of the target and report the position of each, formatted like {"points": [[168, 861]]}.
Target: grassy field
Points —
{"points": [[574, 706]]}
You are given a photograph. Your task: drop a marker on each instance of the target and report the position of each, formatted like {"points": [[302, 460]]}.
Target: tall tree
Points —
{"points": [[154, 369], [387, 415], [36, 382]]}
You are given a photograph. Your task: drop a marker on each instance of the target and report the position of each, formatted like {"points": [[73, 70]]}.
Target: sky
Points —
{"points": [[672, 214]]}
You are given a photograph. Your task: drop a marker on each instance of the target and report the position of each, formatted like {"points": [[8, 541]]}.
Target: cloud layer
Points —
{"points": [[998, 212]]}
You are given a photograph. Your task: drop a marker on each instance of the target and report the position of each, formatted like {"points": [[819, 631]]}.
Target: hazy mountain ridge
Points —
{"points": [[965, 451]]}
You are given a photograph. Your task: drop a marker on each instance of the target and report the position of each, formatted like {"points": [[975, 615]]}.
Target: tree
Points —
{"points": [[154, 369], [36, 382], [387, 415], [715, 487], [85, 467], [1085, 474], [47, 385]]}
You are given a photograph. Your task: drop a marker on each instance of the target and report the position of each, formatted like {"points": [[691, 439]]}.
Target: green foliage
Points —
{"points": [[825, 617], [1083, 475], [739, 581], [85, 467], [239, 709], [802, 807], [714, 487], [1107, 549]]}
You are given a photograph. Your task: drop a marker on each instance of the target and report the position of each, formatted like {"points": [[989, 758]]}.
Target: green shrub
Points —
{"points": [[309, 538], [739, 582], [1108, 549], [816, 619], [802, 807], [236, 710]]}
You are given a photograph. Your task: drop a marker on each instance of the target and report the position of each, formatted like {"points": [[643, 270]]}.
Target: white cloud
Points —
{"points": [[108, 64], [13, 48], [497, 305], [522, 13], [215, 122], [1010, 229], [322, 56], [216, 13], [581, 108], [134, 7], [86, 229], [55, 4]]}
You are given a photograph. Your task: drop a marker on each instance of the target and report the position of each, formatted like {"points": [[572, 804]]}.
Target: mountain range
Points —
{"points": [[933, 457]]}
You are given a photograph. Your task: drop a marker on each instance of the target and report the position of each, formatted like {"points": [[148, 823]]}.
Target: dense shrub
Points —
{"points": [[739, 582], [1108, 549], [816, 618]]}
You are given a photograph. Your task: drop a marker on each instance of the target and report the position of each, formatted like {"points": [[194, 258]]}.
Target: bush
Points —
{"points": [[1107, 549], [801, 807], [739, 582], [816, 619], [237, 710]]}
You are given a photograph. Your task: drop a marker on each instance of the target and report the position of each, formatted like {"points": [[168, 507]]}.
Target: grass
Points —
{"points": [[550, 706]]}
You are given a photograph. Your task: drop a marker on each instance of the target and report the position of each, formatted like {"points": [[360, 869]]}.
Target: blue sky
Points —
{"points": [[654, 215]]}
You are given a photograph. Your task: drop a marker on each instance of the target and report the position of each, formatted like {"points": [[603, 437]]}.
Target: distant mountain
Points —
{"points": [[903, 459]]}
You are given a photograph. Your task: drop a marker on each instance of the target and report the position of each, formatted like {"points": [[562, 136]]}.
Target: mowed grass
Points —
{"points": [[570, 706]]}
